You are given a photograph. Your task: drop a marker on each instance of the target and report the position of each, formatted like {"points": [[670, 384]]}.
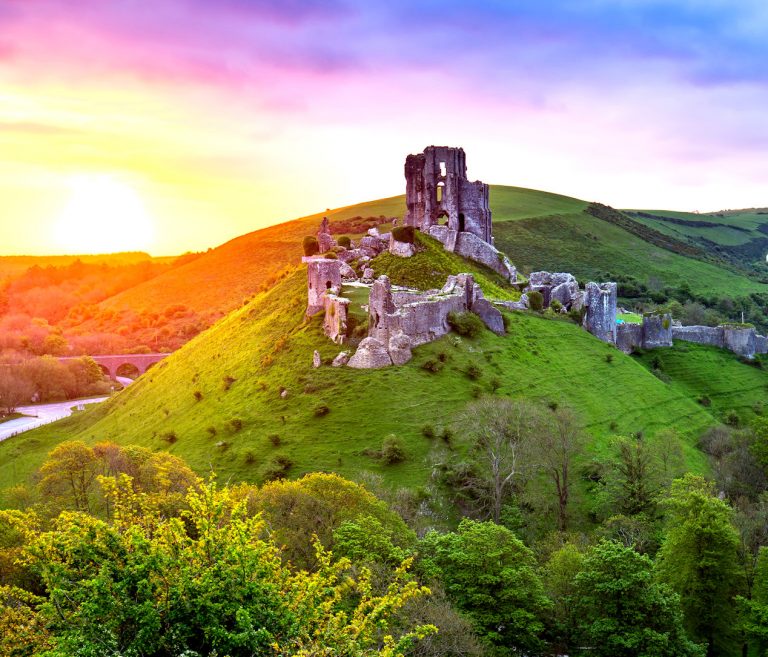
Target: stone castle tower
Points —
{"points": [[437, 191]]}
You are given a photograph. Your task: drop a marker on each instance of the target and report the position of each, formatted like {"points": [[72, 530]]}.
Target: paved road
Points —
{"points": [[40, 414]]}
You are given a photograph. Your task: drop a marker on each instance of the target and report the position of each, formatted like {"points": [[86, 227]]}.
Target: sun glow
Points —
{"points": [[103, 215]]}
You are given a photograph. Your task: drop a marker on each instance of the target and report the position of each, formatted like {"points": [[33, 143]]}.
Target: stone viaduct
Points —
{"points": [[112, 363]]}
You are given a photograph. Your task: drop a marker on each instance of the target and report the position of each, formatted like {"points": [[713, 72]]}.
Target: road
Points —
{"points": [[37, 415]]}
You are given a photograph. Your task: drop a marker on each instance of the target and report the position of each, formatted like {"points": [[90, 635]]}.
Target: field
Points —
{"points": [[240, 366]]}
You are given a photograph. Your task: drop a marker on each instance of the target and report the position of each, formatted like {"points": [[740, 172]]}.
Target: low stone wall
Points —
{"points": [[709, 335], [654, 332], [335, 321], [629, 337], [741, 340]]}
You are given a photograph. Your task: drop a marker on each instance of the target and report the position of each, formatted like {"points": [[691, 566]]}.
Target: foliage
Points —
{"points": [[491, 577], [536, 301], [202, 583], [392, 450], [404, 234], [310, 246], [344, 241], [623, 612], [466, 324], [698, 559]]}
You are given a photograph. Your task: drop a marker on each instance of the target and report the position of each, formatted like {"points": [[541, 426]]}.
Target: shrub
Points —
{"points": [[732, 418], [609, 358], [249, 457], [228, 381], [170, 437], [476, 392], [344, 241], [474, 372], [392, 450], [613, 426], [536, 301], [447, 436], [466, 324], [705, 401], [274, 439], [495, 384], [556, 306], [428, 431], [442, 356], [235, 424], [278, 468], [322, 410], [198, 395], [330, 255], [431, 366], [404, 234], [311, 247], [212, 431]]}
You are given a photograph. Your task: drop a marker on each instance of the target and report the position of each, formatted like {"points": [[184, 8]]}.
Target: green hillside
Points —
{"points": [[240, 366]]}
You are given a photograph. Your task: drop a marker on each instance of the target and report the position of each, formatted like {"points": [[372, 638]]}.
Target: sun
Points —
{"points": [[103, 215]]}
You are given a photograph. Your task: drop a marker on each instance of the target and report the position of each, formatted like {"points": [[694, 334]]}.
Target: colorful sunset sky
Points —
{"points": [[175, 125]]}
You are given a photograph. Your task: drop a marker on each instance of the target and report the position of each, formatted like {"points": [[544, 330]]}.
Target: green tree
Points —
{"points": [[15, 388], [559, 579], [699, 560], [755, 611], [491, 576], [68, 475], [210, 582], [623, 612]]}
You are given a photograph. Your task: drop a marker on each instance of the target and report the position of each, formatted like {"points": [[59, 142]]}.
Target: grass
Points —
{"points": [[707, 373], [630, 318], [11, 416], [551, 360], [429, 268]]}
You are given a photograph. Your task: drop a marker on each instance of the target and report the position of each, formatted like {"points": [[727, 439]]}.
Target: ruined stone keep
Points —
{"points": [[438, 192]]}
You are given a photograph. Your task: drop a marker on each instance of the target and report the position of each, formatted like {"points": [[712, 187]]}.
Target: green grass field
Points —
{"points": [[267, 346]]}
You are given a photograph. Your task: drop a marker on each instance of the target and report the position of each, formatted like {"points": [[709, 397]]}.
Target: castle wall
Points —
{"points": [[709, 335], [335, 321], [600, 318], [433, 192], [323, 275], [657, 331]]}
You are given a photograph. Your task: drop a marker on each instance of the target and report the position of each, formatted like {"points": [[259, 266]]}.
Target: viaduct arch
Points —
{"points": [[111, 363]]}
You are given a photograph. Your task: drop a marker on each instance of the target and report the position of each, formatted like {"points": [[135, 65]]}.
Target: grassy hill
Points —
{"points": [[241, 424]]}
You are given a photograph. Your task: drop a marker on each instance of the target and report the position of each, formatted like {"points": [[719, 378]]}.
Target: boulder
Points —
{"points": [[401, 249], [341, 360], [490, 315], [316, 360], [400, 349], [371, 354], [368, 275], [347, 273], [522, 304]]}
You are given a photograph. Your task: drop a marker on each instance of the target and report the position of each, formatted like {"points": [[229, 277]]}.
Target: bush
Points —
{"points": [[732, 418], [344, 241], [311, 247], [198, 395], [467, 324], [495, 384], [274, 439], [249, 457], [228, 381], [556, 306], [536, 301], [431, 366], [476, 392], [170, 437], [331, 255], [211, 430], [447, 436], [392, 450], [608, 358], [235, 424], [322, 410], [705, 401], [428, 431], [474, 372], [404, 234], [278, 468]]}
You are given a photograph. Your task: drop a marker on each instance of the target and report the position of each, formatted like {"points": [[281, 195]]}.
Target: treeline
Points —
{"points": [[121, 550], [55, 310], [46, 379]]}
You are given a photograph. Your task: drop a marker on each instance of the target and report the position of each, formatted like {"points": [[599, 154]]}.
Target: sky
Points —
{"points": [[175, 125]]}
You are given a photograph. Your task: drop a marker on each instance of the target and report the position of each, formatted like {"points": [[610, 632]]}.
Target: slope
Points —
{"points": [[335, 419]]}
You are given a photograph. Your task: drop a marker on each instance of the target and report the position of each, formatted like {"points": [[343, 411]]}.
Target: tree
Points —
{"points": [[623, 612], [15, 388], [490, 575], [559, 579], [208, 583], [699, 560], [504, 432], [633, 480], [755, 610], [69, 474], [555, 449]]}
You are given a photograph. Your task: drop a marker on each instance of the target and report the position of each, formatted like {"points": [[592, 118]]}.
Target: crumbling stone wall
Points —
{"points": [[323, 275], [438, 191], [740, 340], [472, 247], [600, 318], [654, 332], [709, 335], [335, 321], [559, 286], [324, 239]]}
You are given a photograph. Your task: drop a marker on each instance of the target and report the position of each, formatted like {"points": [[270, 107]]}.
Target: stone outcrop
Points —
{"points": [[341, 359], [400, 349], [335, 320], [437, 189], [401, 249], [323, 274], [600, 318], [473, 248], [324, 239], [561, 287], [371, 354]]}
